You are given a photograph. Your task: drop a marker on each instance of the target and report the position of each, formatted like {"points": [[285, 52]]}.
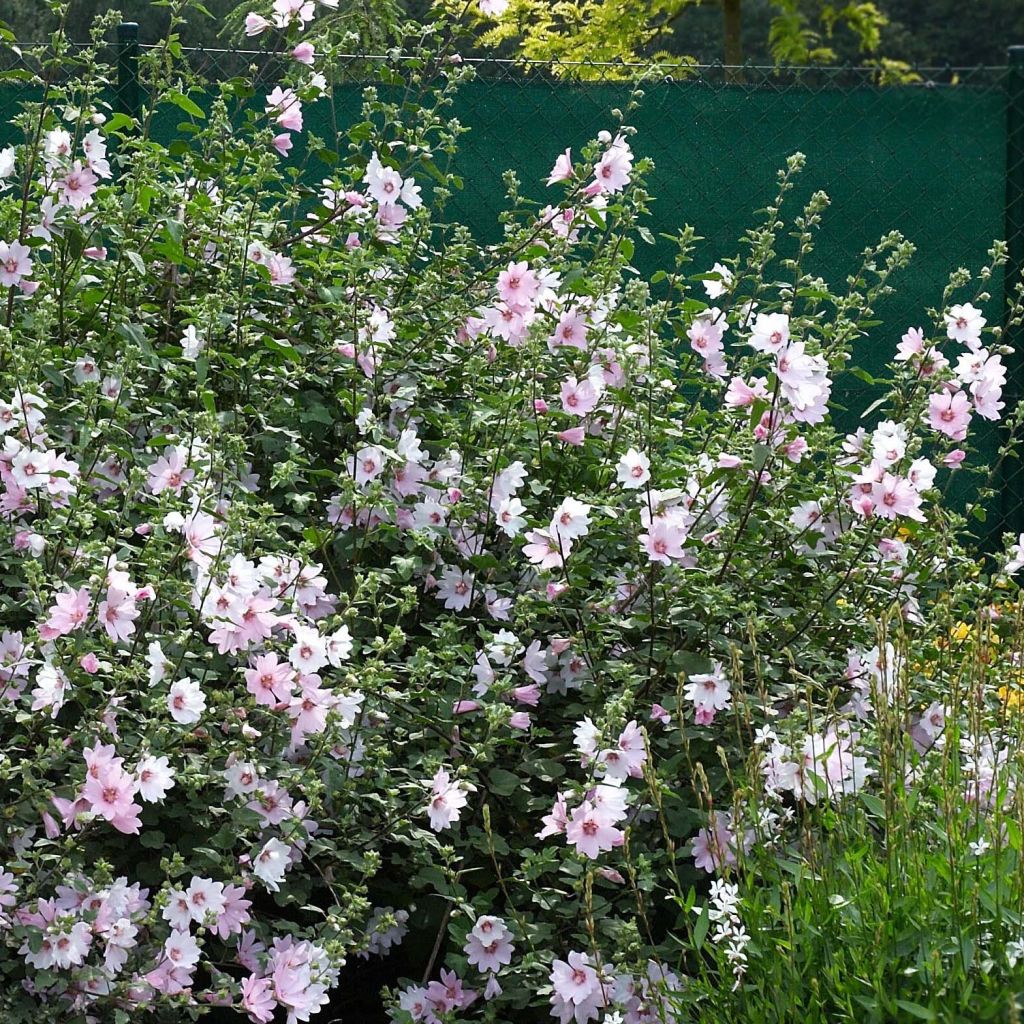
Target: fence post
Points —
{"points": [[128, 68], [1013, 469]]}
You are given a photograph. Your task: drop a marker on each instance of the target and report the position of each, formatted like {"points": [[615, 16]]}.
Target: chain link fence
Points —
{"points": [[940, 160]]}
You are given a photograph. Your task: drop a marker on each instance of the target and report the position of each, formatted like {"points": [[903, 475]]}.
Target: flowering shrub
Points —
{"points": [[360, 579]]}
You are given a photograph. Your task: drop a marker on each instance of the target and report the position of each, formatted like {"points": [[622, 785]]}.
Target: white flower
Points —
{"points": [[155, 777], [6, 162], [186, 702], [309, 652], [271, 863], [716, 289], [633, 470], [571, 520], [191, 344]]}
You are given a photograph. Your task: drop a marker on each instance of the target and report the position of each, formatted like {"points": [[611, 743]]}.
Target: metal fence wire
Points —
{"points": [[941, 160]]}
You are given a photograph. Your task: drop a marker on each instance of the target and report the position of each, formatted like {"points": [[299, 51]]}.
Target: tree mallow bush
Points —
{"points": [[361, 579]]}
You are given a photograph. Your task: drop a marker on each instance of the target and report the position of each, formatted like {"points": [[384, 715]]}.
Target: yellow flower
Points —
{"points": [[1013, 699], [961, 631]]}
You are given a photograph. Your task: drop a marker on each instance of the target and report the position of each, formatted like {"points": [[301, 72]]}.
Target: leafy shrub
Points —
{"points": [[364, 580]]}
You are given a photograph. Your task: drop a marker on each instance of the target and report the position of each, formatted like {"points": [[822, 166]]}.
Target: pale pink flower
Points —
{"points": [[257, 999], [493, 8], [78, 186], [562, 171], [15, 263], [770, 332], [286, 107], [949, 412], [518, 286], [574, 979], [255, 24], [447, 799], [67, 614], [455, 588], [269, 680], [709, 691], [612, 172], [579, 397], [543, 549], [271, 863], [571, 331], [111, 793], [664, 539]]}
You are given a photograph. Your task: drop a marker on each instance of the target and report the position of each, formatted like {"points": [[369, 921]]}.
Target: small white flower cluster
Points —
{"points": [[729, 931]]}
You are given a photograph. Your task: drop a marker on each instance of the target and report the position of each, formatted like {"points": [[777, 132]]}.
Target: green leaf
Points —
{"points": [[700, 930], [118, 121], [182, 102], [503, 783], [916, 1010], [282, 348]]}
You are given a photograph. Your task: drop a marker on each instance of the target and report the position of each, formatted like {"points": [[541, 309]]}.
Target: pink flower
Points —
{"points": [[770, 332], [78, 186], [612, 172], [255, 24], [281, 270], [709, 691], [740, 395], [954, 458], [366, 465], [911, 345], [448, 994], [489, 945], [118, 614], [574, 980], [574, 436], [518, 286], [282, 143], [257, 999], [15, 263], [287, 107], [270, 681], [304, 53], [493, 8], [579, 397], [562, 171], [110, 793], [186, 702], [949, 413], [896, 496], [715, 847], [155, 778], [455, 588], [633, 470], [571, 331], [170, 471], [664, 539], [67, 614], [543, 550], [591, 832], [964, 324], [447, 799]]}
